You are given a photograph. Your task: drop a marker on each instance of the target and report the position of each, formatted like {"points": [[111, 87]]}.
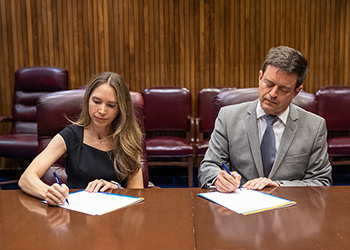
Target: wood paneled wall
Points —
{"points": [[189, 43]]}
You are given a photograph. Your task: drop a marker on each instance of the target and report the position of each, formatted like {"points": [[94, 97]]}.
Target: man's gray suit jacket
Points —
{"points": [[301, 160]]}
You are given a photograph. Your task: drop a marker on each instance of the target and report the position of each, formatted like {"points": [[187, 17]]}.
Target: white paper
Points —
{"points": [[98, 203], [246, 201]]}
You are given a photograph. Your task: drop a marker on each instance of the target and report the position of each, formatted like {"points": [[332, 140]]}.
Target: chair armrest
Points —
{"points": [[197, 123], [5, 119], [192, 129]]}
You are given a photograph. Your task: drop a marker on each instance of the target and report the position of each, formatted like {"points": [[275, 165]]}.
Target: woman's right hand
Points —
{"points": [[56, 194]]}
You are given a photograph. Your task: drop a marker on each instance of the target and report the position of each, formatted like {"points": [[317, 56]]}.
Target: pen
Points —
{"points": [[116, 183], [59, 183], [223, 164]]}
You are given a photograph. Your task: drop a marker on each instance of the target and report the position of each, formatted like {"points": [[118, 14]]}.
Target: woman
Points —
{"points": [[103, 145]]}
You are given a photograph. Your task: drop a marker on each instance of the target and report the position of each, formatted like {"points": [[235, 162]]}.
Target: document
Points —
{"points": [[246, 201], [98, 203]]}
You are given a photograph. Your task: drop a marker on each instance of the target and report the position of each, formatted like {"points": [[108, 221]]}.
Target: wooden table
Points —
{"points": [[180, 219], [163, 220], [319, 220]]}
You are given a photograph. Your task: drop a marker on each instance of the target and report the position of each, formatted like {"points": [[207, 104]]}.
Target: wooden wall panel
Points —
{"points": [[190, 43]]}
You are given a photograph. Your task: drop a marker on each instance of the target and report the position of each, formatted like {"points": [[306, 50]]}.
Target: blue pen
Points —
{"points": [[117, 183], [223, 164], [59, 183]]}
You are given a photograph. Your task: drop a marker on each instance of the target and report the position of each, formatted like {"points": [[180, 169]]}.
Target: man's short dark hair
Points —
{"points": [[289, 60]]}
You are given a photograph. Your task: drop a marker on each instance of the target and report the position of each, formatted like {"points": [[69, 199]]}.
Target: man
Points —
{"points": [[292, 151]]}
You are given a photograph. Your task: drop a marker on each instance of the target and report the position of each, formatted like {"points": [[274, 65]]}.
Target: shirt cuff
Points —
{"points": [[210, 184]]}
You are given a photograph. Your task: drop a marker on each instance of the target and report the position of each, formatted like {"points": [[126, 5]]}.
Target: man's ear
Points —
{"points": [[298, 90], [260, 75]]}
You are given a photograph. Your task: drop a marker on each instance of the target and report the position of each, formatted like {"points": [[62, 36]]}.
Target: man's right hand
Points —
{"points": [[226, 183]]}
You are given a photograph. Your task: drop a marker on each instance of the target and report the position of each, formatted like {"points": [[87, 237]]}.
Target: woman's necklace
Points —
{"points": [[99, 141]]}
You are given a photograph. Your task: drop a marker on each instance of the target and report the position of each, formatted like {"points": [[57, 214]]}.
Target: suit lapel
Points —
{"points": [[287, 139], [253, 137]]}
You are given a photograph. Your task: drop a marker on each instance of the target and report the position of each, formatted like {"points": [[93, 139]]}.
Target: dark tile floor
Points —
{"points": [[341, 175], [171, 177], [166, 177], [6, 175], [176, 177]]}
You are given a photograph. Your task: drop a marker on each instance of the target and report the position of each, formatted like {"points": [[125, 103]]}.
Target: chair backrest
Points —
{"points": [[167, 108], [307, 101], [234, 96], [205, 108], [30, 84], [333, 106], [52, 113], [138, 104], [304, 99]]}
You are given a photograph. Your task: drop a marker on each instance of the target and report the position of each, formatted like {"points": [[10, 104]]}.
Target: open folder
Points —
{"points": [[246, 201], [98, 203]]}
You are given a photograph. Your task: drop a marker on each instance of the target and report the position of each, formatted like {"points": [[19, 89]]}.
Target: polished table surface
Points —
{"points": [[163, 220], [319, 220], [180, 219]]}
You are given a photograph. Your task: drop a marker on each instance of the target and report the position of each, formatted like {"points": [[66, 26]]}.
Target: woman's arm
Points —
{"points": [[30, 181], [135, 181]]}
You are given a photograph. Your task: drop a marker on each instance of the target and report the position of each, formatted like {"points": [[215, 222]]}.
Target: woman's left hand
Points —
{"points": [[100, 185]]}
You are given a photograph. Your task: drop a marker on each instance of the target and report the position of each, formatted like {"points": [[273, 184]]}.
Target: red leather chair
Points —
{"points": [[52, 111], [304, 99], [333, 106], [205, 119], [169, 127], [234, 96], [30, 84]]}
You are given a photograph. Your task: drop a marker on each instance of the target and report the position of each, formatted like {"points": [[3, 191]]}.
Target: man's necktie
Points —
{"points": [[268, 145]]}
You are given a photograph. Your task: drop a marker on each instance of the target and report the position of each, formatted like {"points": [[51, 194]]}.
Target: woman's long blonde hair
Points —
{"points": [[126, 149]]}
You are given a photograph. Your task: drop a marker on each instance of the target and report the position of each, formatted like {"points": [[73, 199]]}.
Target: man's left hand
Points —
{"points": [[260, 183]]}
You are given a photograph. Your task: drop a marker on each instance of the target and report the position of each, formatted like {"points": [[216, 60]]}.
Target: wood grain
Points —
{"points": [[190, 43]]}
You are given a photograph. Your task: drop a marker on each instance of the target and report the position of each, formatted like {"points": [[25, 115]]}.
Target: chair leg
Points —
{"points": [[198, 161], [190, 172]]}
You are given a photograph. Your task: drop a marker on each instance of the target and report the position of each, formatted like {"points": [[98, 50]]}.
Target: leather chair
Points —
{"points": [[233, 96], [333, 106], [304, 99], [169, 128], [52, 111], [30, 84], [205, 119]]}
